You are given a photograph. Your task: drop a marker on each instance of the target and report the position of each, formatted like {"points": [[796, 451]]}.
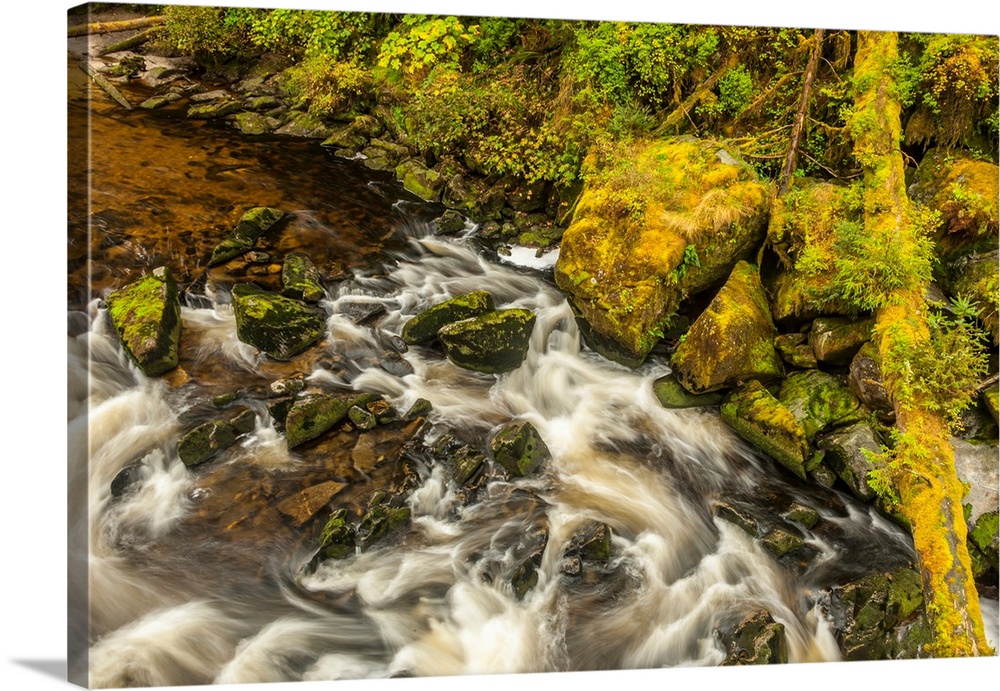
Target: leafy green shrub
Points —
{"points": [[313, 33], [421, 42], [211, 33], [328, 86], [735, 90]]}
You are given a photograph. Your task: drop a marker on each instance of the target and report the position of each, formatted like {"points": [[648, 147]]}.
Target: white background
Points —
{"points": [[32, 367]]}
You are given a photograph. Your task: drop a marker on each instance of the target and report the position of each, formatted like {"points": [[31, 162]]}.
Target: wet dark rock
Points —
{"points": [[302, 506], [761, 419], [278, 410], [469, 463], [803, 515], [214, 436], [361, 418], [304, 125], [865, 379], [127, 478], [384, 413], [424, 327], [160, 75], [531, 547], [251, 226], [383, 155], [492, 343], [738, 516], [146, 315], [159, 101], [671, 394], [977, 423], [519, 448], [823, 476], [288, 386], [449, 223], [395, 364], [420, 408], [214, 110], [420, 180], [880, 617], [756, 640], [208, 96], [254, 123], [300, 279], [380, 520], [592, 542], [845, 455], [311, 415], [835, 340], [780, 542], [278, 326], [223, 399], [361, 312]]}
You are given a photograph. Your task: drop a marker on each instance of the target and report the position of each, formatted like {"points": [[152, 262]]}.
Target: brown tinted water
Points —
{"points": [[152, 188]]}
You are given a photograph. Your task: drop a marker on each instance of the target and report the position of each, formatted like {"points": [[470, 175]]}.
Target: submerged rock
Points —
{"points": [[732, 341], [276, 325], [210, 438], [424, 327], [492, 343], [300, 278], [762, 420], [146, 315], [251, 226], [519, 448], [629, 258]]}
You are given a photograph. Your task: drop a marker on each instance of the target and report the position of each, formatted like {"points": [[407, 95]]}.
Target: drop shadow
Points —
{"points": [[50, 668]]}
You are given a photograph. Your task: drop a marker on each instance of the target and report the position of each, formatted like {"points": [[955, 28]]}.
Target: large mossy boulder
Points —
{"points": [[519, 448], [146, 315], [836, 340], [732, 340], [759, 418], [803, 224], [819, 401], [964, 192], [277, 325], [313, 414], [757, 639], [976, 466], [492, 343], [251, 226], [421, 180], [656, 223], [423, 328]]}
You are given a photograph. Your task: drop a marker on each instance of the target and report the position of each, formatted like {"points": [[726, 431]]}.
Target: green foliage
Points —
{"points": [[944, 371], [689, 259], [735, 90], [337, 35], [421, 42], [211, 33], [328, 86]]}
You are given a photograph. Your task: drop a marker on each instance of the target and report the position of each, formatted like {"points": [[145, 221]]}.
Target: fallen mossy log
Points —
{"points": [[102, 82], [132, 41], [111, 27], [922, 473]]}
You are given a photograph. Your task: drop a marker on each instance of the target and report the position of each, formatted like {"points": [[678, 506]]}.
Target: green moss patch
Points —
{"points": [[146, 315], [493, 343], [758, 417], [277, 325], [424, 327]]}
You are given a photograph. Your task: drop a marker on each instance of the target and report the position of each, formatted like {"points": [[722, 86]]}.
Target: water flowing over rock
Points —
{"points": [[278, 326], [762, 420], [251, 226], [147, 317], [626, 275], [732, 340], [493, 343], [424, 327]]}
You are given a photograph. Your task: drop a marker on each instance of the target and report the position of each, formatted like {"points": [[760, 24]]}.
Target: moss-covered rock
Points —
{"points": [[146, 315], [519, 448], [865, 379], [846, 456], [214, 436], [421, 180], [256, 123], [159, 101], [819, 401], [803, 223], [305, 125], [756, 640], [795, 350], [381, 519], [251, 226], [991, 397], [880, 617], [449, 223], [276, 325], [671, 394], [977, 277], [214, 110], [836, 340], [493, 343], [732, 340], [964, 192], [780, 542], [976, 466], [383, 155], [762, 420], [338, 539], [313, 414], [424, 327], [300, 278], [665, 220]]}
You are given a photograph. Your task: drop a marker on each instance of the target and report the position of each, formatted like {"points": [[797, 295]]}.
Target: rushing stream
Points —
{"points": [[195, 577]]}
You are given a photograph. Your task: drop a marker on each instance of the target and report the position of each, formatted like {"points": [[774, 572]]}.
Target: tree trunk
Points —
{"points": [[110, 27], [132, 41], [924, 477], [784, 180], [674, 119], [105, 84]]}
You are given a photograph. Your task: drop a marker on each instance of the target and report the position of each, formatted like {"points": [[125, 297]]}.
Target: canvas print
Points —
{"points": [[419, 345]]}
